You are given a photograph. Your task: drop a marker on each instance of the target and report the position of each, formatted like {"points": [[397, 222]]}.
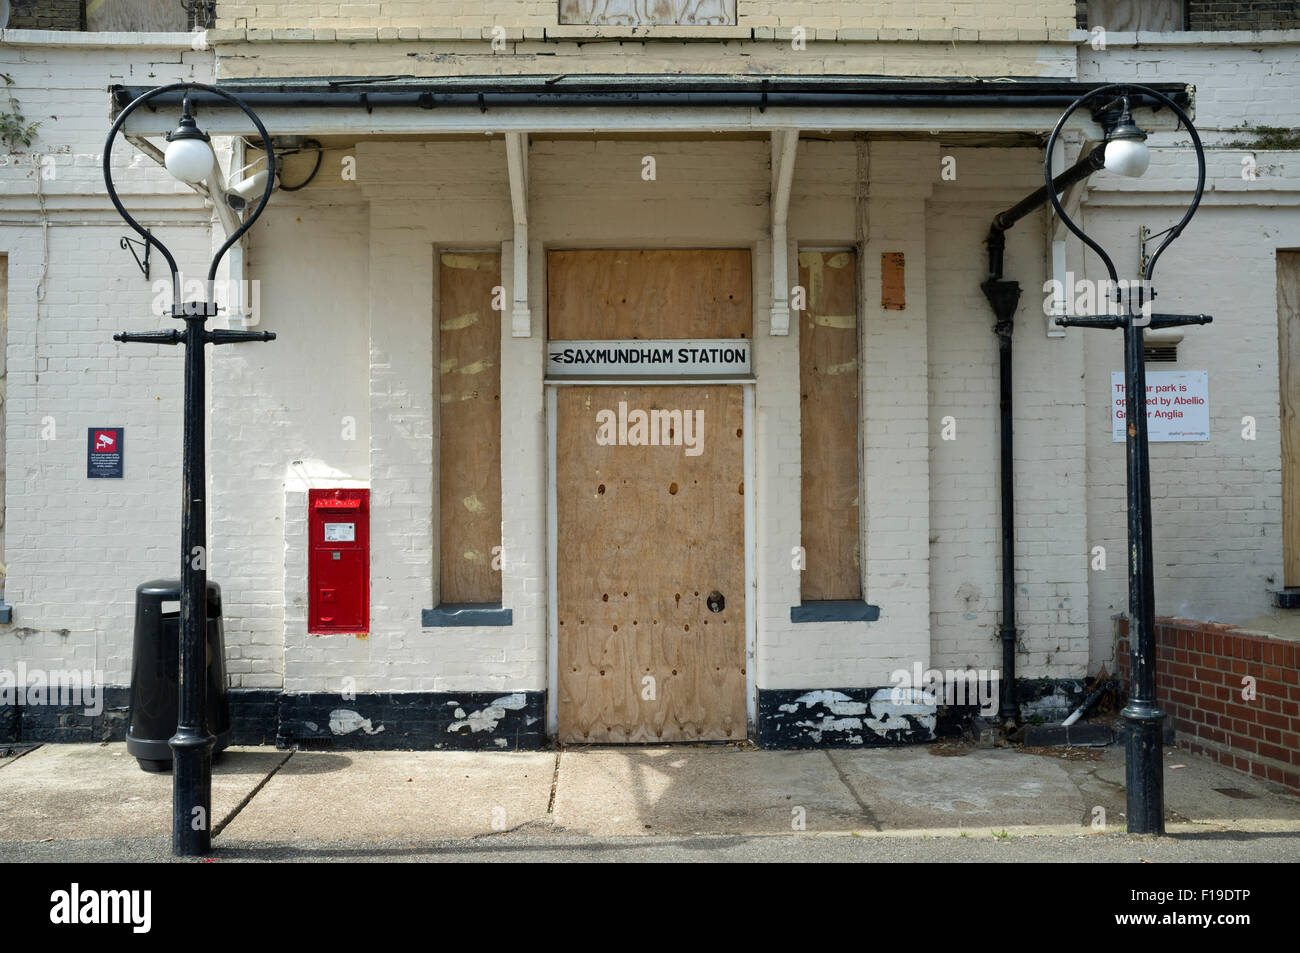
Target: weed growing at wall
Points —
{"points": [[14, 127]]}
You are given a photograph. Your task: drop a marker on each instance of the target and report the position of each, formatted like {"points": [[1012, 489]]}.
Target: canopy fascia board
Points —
{"points": [[288, 121], [651, 104]]}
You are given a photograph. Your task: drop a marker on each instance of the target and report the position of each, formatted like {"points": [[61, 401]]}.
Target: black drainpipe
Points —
{"points": [[1003, 296]]}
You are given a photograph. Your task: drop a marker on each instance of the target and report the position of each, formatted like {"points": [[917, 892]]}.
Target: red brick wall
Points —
{"points": [[1199, 672]]}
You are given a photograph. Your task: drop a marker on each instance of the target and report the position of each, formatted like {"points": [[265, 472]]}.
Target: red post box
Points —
{"points": [[338, 567]]}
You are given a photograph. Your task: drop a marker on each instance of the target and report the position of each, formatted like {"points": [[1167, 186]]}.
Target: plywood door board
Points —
{"points": [[646, 534]]}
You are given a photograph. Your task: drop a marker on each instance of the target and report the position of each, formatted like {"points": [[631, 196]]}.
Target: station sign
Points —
{"points": [[675, 358]]}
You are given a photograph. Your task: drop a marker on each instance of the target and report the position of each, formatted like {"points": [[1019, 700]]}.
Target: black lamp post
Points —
{"points": [[1126, 153], [189, 157]]}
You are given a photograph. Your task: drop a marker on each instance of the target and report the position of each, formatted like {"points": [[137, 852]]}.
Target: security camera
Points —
{"points": [[241, 193]]}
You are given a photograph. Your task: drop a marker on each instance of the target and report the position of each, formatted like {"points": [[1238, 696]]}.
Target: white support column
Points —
{"points": [[785, 146], [239, 298], [1069, 148], [216, 185], [1056, 254], [517, 162]]}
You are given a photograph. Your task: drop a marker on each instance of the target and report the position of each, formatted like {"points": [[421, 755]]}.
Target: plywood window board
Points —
{"points": [[828, 399], [649, 294], [469, 428], [1288, 322]]}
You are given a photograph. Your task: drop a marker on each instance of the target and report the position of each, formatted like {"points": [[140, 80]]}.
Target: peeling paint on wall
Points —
{"points": [[486, 719], [344, 721], [418, 721], [1050, 700], [850, 717]]}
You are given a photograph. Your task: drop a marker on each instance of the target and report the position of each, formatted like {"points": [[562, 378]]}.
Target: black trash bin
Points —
{"points": [[155, 671]]}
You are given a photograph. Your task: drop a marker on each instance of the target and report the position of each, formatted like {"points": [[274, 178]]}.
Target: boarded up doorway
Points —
{"points": [[649, 615], [650, 574]]}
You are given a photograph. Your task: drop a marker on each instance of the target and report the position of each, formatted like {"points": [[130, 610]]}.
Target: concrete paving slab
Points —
{"points": [[88, 790], [363, 795], [92, 794], [682, 790], [1194, 792], [941, 786]]}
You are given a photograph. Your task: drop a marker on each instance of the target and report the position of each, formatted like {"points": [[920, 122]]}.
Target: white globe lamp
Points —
{"points": [[189, 155]]}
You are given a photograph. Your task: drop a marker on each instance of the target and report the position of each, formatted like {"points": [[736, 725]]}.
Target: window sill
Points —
{"points": [[451, 614], [835, 610]]}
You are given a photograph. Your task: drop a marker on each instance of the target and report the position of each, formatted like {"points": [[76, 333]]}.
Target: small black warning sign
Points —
{"points": [[104, 453]]}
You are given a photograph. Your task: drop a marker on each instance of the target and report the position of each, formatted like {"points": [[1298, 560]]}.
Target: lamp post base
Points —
{"points": [[191, 792], [1144, 769]]}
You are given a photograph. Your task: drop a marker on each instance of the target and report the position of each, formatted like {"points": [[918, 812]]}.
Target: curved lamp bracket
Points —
{"points": [[1114, 91], [177, 308]]}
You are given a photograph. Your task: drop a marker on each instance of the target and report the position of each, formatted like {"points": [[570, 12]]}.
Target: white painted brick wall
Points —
{"points": [[1216, 509], [347, 282], [894, 55], [1252, 82], [705, 194], [965, 506], [899, 421], [77, 548], [1216, 506], [276, 404]]}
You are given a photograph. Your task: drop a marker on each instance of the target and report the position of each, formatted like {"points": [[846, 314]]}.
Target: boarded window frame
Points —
{"points": [[1288, 319], [841, 597], [482, 587]]}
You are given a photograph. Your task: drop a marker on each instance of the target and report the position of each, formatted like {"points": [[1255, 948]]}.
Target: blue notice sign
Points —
{"points": [[104, 452]]}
